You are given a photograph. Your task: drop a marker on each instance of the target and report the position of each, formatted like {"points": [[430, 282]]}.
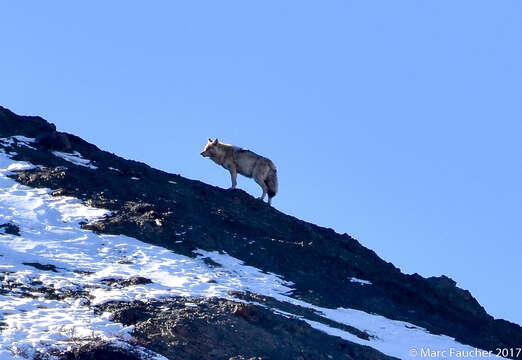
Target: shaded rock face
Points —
{"points": [[54, 141], [200, 329], [30, 126], [184, 215], [97, 349]]}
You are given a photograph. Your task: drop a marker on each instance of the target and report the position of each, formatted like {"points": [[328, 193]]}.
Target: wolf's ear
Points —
{"points": [[209, 140], [216, 141]]}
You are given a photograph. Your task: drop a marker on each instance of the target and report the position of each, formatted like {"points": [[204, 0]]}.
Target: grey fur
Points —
{"points": [[244, 162]]}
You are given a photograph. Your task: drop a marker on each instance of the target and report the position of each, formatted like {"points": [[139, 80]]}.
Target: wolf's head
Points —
{"points": [[211, 149]]}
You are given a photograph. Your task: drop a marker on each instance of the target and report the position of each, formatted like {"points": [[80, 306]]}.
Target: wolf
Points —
{"points": [[245, 162]]}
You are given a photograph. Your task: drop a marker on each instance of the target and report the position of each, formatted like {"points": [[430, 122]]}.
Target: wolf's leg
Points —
{"points": [[259, 175], [263, 186], [233, 177]]}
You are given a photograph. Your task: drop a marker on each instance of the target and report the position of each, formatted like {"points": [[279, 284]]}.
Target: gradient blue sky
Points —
{"points": [[398, 122]]}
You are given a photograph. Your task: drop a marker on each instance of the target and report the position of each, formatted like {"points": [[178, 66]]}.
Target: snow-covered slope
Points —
{"points": [[54, 272]]}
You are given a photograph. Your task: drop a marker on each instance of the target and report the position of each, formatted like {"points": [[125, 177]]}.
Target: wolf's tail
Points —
{"points": [[271, 181]]}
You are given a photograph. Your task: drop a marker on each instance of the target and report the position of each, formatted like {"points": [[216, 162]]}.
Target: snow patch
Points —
{"points": [[18, 140], [75, 158], [360, 281]]}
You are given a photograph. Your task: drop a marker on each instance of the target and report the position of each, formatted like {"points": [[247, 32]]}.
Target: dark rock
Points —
{"points": [[54, 141], [30, 126], [9, 229], [61, 294], [83, 272], [63, 192], [211, 263], [36, 289], [96, 349], [47, 267], [137, 280]]}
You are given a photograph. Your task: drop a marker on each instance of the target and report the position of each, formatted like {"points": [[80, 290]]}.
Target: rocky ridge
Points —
{"points": [[184, 215]]}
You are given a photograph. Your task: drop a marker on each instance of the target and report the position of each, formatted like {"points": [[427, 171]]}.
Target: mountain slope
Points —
{"points": [[325, 270]]}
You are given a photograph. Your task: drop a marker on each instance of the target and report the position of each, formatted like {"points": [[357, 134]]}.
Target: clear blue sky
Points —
{"points": [[398, 122]]}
